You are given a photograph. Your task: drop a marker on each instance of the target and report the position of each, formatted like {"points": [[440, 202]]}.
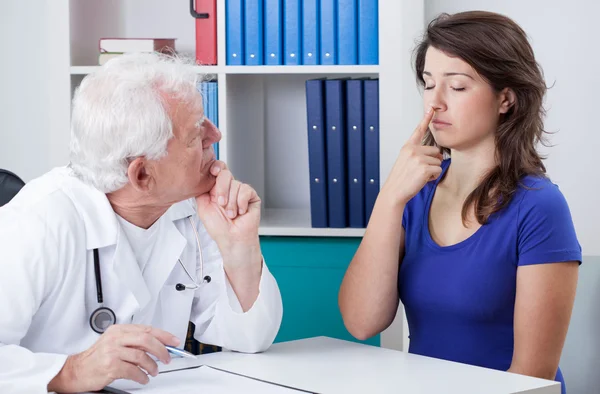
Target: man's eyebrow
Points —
{"points": [[450, 74]]}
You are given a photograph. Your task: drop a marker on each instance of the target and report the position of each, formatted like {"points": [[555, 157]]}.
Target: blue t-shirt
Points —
{"points": [[460, 299]]}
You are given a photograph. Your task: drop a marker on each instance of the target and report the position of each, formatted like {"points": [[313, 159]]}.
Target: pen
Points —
{"points": [[179, 352]]}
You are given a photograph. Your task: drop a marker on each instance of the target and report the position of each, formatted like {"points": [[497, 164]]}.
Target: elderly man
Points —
{"points": [[105, 261]]}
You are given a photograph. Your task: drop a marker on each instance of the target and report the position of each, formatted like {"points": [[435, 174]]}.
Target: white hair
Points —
{"points": [[120, 113]]}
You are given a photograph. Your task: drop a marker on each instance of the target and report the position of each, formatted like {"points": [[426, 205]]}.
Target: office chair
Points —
{"points": [[10, 184]]}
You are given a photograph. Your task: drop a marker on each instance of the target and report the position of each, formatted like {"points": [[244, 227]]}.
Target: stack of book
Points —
{"points": [[113, 47], [343, 150], [295, 32]]}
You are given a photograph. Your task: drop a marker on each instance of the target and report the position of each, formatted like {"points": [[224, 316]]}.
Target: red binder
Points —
{"points": [[205, 13]]}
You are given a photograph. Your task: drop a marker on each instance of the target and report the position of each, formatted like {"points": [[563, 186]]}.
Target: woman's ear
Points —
{"points": [[507, 100], [139, 175]]}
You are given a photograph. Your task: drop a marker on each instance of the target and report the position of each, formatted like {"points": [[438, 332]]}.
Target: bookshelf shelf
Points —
{"points": [[266, 70], [296, 223], [334, 70]]}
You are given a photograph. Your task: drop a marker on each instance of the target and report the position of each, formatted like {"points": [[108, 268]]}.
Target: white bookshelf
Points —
{"points": [[262, 109]]}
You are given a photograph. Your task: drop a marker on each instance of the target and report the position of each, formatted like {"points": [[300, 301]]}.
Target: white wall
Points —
{"points": [[33, 79], [564, 36]]}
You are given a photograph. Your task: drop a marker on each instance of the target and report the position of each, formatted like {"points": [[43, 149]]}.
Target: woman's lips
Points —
{"points": [[439, 124]]}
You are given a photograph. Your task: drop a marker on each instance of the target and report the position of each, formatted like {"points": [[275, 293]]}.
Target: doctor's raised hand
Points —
{"points": [[133, 226], [230, 212]]}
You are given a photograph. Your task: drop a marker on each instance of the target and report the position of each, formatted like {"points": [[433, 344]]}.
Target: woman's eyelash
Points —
{"points": [[456, 89]]}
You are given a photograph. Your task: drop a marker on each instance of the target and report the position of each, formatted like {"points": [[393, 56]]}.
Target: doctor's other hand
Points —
{"points": [[230, 211], [120, 353], [415, 166]]}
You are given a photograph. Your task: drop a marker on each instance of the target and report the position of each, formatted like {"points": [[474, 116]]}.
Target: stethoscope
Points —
{"points": [[104, 317]]}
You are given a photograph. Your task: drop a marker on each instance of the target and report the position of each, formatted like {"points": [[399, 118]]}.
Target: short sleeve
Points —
{"points": [[546, 233]]}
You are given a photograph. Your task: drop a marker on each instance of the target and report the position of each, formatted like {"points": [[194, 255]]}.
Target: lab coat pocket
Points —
{"points": [[175, 310]]}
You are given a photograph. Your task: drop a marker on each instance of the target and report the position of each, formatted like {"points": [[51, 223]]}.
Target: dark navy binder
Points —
{"points": [[337, 182], [356, 153], [371, 130], [317, 165]]}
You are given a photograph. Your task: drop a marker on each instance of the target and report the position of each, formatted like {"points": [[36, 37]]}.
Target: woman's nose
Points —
{"points": [[436, 100]]}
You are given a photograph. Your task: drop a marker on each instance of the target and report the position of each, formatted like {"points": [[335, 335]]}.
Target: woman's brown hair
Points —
{"points": [[498, 49]]}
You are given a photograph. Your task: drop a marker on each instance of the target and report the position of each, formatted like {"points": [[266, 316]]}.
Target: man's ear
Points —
{"points": [[139, 174], [507, 100]]}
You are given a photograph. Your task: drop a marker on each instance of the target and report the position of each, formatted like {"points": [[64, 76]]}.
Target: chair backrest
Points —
{"points": [[10, 184]]}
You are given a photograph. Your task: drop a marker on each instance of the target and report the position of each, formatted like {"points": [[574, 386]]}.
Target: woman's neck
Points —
{"points": [[467, 170]]}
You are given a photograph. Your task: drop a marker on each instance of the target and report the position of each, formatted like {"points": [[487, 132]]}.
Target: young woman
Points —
{"points": [[480, 247]]}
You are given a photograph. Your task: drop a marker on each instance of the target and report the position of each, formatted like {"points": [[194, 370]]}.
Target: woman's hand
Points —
{"points": [[415, 166]]}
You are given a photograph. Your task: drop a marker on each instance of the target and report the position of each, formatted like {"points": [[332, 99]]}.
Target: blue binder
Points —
{"points": [[311, 37], [371, 130], [356, 154], [317, 166], [328, 26], [234, 20], [347, 32], [335, 135], [368, 32], [253, 32], [206, 100], [292, 38], [214, 109], [273, 32]]}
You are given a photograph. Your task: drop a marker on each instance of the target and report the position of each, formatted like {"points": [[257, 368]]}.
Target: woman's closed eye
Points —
{"points": [[451, 87]]}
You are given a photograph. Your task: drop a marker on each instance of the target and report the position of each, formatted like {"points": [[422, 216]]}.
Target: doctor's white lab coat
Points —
{"points": [[48, 288]]}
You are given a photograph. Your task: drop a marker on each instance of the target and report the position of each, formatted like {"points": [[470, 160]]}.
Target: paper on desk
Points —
{"points": [[202, 379]]}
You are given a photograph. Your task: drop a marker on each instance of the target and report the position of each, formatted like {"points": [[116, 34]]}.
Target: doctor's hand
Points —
{"points": [[120, 353], [415, 166], [230, 211]]}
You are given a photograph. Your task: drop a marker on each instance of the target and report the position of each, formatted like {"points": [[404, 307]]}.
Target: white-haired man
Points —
{"points": [[105, 261]]}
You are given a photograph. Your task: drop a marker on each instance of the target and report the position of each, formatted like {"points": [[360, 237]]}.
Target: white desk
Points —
{"points": [[325, 365]]}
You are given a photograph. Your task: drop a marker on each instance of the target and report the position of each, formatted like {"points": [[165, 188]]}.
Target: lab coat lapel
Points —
{"points": [[127, 270], [170, 247], [164, 257]]}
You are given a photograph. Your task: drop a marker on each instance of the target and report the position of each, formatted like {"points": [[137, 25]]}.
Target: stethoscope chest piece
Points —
{"points": [[101, 319]]}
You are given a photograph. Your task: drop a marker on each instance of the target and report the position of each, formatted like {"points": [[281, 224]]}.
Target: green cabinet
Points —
{"points": [[309, 272]]}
